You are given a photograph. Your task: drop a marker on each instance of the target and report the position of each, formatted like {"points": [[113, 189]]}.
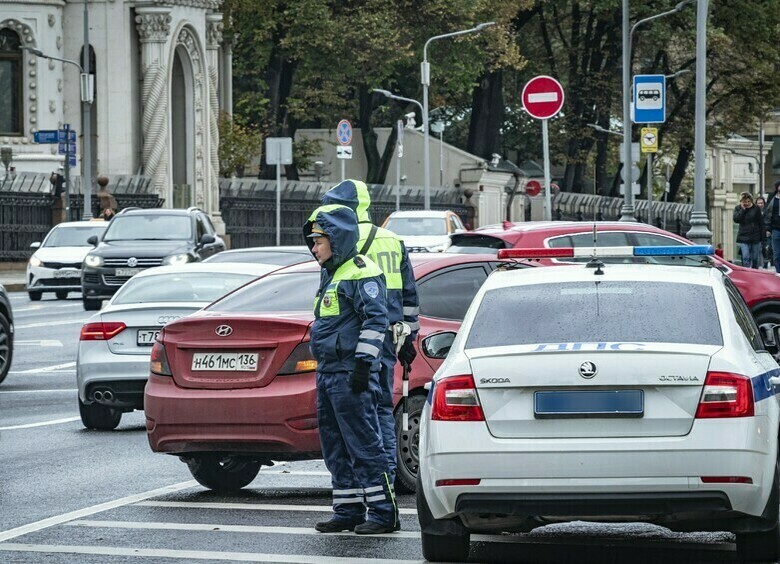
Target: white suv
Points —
{"points": [[604, 393]]}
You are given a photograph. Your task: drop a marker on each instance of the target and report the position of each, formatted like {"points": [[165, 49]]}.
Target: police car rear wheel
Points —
{"points": [[222, 473], [408, 445], [441, 547], [764, 546]]}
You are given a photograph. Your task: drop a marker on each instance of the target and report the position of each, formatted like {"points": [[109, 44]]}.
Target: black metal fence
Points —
{"points": [[249, 207]]}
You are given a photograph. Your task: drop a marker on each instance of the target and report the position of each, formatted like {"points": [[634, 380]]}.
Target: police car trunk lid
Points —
{"points": [[583, 390]]}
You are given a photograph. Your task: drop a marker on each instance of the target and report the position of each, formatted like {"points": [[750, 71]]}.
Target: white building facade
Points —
{"points": [[161, 76]]}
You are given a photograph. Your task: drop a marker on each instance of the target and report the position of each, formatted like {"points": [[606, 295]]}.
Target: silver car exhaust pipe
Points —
{"points": [[108, 395], [97, 395]]}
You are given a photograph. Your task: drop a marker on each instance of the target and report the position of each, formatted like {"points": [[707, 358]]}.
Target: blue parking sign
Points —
{"points": [[72, 162], [649, 98]]}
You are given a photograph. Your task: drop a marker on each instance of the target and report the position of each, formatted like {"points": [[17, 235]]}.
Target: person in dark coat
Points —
{"points": [[751, 231], [772, 224]]}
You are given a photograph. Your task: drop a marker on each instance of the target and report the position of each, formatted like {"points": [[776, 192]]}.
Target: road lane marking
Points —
{"points": [[87, 511], [45, 373], [40, 307], [217, 527], [43, 343], [250, 506], [197, 554], [38, 391], [41, 424], [47, 368], [49, 324]]}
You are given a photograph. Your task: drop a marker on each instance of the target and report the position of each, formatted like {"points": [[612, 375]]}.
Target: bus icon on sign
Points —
{"points": [[654, 95]]}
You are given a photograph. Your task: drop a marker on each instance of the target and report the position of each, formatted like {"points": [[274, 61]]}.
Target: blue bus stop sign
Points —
{"points": [[649, 98]]}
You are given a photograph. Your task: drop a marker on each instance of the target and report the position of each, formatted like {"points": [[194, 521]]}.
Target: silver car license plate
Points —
{"points": [[146, 337], [67, 274], [127, 271], [226, 362]]}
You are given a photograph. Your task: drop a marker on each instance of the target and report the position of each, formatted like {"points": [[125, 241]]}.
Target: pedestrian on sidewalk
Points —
{"points": [[772, 224], [751, 232], [767, 245], [350, 322]]}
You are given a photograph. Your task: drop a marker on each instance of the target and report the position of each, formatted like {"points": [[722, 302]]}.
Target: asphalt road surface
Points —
{"points": [[72, 495]]}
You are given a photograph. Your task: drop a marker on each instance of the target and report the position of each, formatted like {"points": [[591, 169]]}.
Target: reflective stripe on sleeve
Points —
{"points": [[411, 311], [370, 335], [365, 348], [413, 325]]}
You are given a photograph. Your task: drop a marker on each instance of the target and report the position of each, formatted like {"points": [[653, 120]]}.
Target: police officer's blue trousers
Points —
{"points": [[353, 451], [385, 409]]}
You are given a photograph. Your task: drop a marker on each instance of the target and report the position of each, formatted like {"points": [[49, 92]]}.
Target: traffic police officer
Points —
{"points": [[388, 252], [346, 340]]}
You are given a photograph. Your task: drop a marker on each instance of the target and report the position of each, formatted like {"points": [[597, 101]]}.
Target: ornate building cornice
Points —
{"points": [[214, 28], [205, 4], [153, 24]]}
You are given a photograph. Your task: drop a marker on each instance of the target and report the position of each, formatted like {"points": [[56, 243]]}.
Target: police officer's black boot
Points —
{"points": [[372, 528], [337, 525]]}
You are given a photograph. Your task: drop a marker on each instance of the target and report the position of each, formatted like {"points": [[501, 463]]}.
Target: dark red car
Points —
{"points": [[232, 387], [759, 288]]}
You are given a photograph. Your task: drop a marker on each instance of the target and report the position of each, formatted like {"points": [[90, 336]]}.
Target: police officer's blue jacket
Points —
{"points": [[386, 250], [350, 308]]}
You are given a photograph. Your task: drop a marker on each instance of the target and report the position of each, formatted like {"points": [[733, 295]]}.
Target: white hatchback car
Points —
{"points": [[55, 266], [603, 393], [424, 231], [112, 365]]}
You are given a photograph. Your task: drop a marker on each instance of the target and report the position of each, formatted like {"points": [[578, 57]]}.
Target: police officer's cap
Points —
{"points": [[317, 231]]}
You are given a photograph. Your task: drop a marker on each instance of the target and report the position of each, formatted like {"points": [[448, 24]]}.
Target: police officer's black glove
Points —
{"points": [[358, 381], [407, 354]]}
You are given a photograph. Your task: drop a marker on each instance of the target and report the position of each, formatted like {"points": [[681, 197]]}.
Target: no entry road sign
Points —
{"points": [[533, 187], [542, 97]]}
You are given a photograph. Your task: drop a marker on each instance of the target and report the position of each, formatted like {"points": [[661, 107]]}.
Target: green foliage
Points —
{"points": [[238, 145]]}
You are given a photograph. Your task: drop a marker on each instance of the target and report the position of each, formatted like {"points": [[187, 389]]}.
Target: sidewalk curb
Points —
{"points": [[15, 287]]}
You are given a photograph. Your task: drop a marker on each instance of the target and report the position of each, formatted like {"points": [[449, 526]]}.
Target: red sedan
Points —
{"points": [[232, 387], [759, 288]]}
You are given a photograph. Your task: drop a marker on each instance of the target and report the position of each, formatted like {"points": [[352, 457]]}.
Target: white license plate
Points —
{"points": [[227, 362], [67, 273], [146, 337], [127, 271]]}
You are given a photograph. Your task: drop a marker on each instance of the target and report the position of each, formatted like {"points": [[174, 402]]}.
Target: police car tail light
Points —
{"points": [[607, 252], [455, 399], [300, 360], [726, 395], [102, 331], [158, 362]]}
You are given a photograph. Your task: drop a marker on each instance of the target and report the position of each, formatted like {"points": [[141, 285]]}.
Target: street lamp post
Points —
{"points": [[425, 79], [627, 211]]}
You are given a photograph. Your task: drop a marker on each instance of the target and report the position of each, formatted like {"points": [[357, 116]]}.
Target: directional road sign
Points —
{"points": [[61, 149], [344, 152], [649, 98], [543, 97], [72, 161], [344, 132], [71, 136], [649, 140], [533, 187], [46, 136], [278, 150]]}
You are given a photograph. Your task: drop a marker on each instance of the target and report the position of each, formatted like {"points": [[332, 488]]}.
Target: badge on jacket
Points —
{"points": [[372, 289], [326, 300]]}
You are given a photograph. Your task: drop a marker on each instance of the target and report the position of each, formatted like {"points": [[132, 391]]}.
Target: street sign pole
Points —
{"points": [[400, 141], [650, 188], [66, 127], [546, 149], [279, 195]]}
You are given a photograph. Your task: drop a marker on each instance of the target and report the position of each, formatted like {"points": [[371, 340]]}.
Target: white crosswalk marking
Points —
{"points": [[250, 506]]}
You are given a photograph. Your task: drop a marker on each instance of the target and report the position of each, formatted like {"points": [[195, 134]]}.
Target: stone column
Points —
{"points": [[213, 39], [227, 77], [154, 26]]}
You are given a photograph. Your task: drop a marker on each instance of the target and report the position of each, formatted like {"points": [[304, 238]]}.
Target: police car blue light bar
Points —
{"points": [[607, 252]]}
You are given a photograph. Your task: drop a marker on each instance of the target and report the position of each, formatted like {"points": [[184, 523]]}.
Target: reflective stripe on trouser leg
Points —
{"points": [[347, 493], [385, 408], [358, 430]]}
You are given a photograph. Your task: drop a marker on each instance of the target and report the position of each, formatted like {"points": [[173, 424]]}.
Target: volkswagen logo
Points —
{"points": [[163, 319], [223, 330], [132, 262], [588, 370]]}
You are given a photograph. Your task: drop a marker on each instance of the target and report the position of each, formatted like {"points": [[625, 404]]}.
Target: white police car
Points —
{"points": [[597, 392]]}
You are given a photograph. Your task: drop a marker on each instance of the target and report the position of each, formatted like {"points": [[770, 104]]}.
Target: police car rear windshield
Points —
{"points": [[277, 293], [597, 311]]}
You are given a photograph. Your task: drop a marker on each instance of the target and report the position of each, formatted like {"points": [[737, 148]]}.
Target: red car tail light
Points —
{"points": [[455, 399], [102, 331], [300, 360], [726, 395], [158, 363]]}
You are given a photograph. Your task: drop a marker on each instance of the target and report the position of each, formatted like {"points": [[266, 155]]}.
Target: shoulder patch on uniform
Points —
{"points": [[359, 262], [372, 289]]}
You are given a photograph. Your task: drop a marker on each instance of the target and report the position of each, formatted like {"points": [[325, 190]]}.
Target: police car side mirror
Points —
{"points": [[437, 345], [93, 240]]}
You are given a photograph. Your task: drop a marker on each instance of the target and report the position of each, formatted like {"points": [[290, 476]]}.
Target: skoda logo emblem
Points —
{"points": [[223, 330], [588, 369], [132, 262]]}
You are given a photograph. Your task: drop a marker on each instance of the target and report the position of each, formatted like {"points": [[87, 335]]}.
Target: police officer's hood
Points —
{"points": [[340, 225], [353, 194]]}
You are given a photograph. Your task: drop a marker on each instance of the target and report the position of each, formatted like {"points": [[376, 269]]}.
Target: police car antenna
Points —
{"points": [[594, 262]]}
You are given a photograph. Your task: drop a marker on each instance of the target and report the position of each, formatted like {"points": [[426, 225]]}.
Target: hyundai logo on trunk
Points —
{"points": [[588, 369], [223, 330]]}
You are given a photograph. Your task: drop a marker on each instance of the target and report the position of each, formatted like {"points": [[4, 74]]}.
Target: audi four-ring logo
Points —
{"points": [[588, 369], [223, 330], [163, 319]]}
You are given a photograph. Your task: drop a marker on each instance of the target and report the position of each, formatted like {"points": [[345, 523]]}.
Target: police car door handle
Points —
{"points": [[775, 380]]}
